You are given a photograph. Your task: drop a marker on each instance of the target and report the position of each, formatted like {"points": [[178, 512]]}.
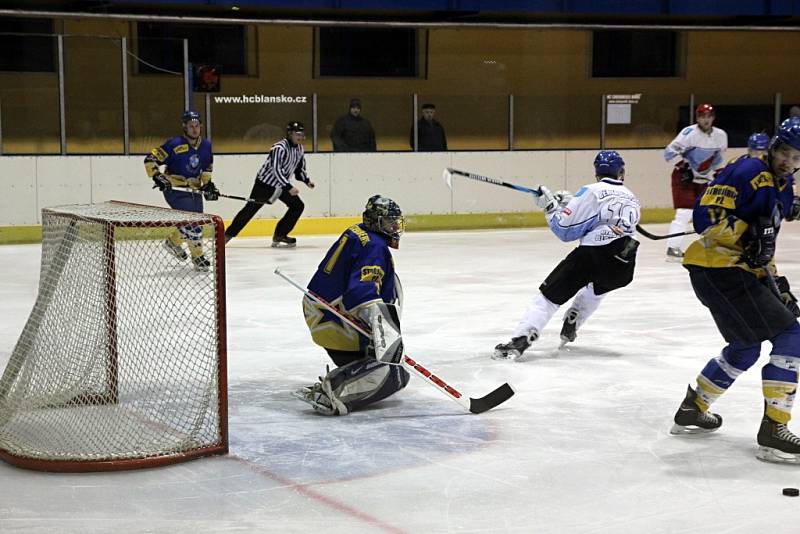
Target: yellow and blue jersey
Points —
{"points": [[357, 270], [744, 191], [186, 164]]}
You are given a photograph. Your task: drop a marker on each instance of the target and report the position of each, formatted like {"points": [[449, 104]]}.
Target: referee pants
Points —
{"points": [[263, 192]]}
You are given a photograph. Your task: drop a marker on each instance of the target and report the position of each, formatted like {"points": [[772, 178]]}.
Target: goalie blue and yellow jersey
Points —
{"points": [[356, 271], [744, 191], [186, 165]]}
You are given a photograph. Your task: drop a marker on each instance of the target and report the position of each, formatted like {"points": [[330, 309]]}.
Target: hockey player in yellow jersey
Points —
{"points": [[733, 274]]}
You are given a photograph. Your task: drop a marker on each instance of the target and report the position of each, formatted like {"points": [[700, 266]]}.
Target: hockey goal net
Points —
{"points": [[122, 362]]}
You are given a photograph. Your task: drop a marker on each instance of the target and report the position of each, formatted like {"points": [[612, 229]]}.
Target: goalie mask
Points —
{"points": [[383, 216]]}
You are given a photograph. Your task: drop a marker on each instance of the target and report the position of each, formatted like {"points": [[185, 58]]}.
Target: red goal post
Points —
{"points": [[122, 362]]}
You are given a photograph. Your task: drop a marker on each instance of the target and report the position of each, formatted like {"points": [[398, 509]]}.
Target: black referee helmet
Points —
{"points": [[295, 126]]}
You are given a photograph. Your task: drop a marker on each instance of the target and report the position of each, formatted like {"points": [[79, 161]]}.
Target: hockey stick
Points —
{"points": [[448, 173], [479, 405], [196, 192], [654, 237]]}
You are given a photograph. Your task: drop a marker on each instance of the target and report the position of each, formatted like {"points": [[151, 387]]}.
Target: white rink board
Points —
{"points": [[344, 181]]}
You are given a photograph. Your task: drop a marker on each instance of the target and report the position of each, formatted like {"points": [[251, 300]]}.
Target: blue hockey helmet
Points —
{"points": [[190, 115], [609, 163], [758, 141], [788, 133], [382, 215]]}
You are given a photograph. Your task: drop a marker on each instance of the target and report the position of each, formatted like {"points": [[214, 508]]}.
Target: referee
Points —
{"points": [[286, 157]]}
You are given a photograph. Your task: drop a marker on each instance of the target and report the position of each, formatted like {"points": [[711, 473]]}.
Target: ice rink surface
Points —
{"points": [[582, 447]]}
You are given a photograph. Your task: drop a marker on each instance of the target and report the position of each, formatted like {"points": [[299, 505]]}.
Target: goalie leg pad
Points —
{"points": [[362, 383]]}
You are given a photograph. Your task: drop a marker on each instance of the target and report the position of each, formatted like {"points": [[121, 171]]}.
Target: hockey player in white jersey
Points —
{"points": [[603, 216], [700, 148]]}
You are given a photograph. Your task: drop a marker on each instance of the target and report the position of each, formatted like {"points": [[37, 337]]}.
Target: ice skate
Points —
{"points": [[569, 329], [283, 241], [777, 443], [690, 420], [674, 255], [514, 348], [201, 263], [176, 250]]}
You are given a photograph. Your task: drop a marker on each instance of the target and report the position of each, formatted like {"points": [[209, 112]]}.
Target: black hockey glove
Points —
{"points": [[794, 211], [788, 298], [162, 182], [210, 191], [758, 242], [685, 171]]}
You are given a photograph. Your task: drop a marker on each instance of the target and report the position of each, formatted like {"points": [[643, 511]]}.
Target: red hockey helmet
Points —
{"points": [[702, 109]]}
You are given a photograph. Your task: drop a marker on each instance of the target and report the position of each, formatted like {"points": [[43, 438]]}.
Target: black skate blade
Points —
{"points": [[494, 398]]}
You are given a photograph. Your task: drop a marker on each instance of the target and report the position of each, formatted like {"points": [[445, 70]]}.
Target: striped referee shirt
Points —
{"points": [[283, 160]]}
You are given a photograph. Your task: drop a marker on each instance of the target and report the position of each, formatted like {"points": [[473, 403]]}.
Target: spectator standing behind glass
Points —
{"points": [[352, 132], [429, 131], [700, 148]]}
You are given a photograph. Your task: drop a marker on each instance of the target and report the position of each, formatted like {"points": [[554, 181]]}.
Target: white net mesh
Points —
{"points": [[122, 357]]}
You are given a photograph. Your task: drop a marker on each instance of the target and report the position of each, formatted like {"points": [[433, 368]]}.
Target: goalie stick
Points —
{"points": [[479, 405], [448, 173], [654, 237]]}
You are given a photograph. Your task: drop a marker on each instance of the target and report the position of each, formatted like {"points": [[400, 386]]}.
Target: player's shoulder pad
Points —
{"points": [[741, 171], [687, 130], [750, 165], [362, 235], [172, 142]]}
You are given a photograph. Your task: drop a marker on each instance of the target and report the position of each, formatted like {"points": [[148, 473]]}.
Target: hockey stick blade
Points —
{"points": [[447, 176], [492, 399], [655, 237]]}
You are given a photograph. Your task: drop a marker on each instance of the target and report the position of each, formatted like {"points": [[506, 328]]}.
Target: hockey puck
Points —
{"points": [[791, 492]]}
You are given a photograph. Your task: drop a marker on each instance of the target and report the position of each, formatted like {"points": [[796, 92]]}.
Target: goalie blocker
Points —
{"points": [[387, 344]]}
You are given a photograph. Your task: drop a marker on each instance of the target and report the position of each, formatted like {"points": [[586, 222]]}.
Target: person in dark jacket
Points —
{"points": [[430, 132], [352, 132]]}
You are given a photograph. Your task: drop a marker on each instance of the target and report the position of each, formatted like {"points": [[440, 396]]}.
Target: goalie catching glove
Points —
{"points": [[384, 321]]}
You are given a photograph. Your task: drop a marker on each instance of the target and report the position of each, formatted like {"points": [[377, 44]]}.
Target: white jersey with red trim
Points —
{"points": [[702, 151]]}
